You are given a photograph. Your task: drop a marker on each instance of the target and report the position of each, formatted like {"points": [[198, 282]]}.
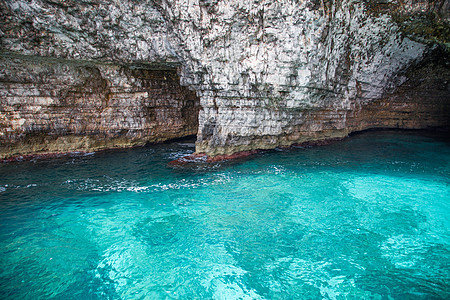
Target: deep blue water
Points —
{"points": [[364, 218]]}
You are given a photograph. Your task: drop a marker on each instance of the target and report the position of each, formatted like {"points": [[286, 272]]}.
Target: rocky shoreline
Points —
{"points": [[242, 76]]}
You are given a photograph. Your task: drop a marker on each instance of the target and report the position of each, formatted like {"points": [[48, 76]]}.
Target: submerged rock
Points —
{"points": [[78, 74]]}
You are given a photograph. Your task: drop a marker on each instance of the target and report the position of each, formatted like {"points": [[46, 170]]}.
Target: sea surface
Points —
{"points": [[363, 218]]}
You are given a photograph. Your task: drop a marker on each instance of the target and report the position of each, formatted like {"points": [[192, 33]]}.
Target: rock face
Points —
{"points": [[266, 73], [51, 106]]}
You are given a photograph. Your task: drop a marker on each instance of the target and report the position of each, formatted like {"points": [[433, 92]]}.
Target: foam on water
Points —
{"points": [[364, 218]]}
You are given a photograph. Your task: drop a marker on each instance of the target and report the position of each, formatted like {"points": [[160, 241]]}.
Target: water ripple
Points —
{"points": [[365, 218]]}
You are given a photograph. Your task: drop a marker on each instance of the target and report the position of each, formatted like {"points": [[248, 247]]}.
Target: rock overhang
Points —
{"points": [[267, 74]]}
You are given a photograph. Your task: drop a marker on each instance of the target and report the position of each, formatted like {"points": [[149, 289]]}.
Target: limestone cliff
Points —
{"points": [[265, 73], [88, 75]]}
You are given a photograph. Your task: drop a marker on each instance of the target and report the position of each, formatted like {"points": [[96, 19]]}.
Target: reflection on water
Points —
{"points": [[364, 218]]}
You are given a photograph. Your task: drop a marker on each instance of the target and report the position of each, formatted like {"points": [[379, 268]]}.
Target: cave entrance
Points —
{"points": [[91, 106], [169, 110]]}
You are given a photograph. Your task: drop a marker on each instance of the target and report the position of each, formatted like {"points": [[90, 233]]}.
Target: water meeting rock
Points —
{"points": [[242, 75]]}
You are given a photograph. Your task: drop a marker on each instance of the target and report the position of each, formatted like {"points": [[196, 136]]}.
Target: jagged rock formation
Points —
{"points": [[266, 73], [86, 75]]}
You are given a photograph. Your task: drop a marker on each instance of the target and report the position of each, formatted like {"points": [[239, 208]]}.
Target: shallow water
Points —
{"points": [[363, 218]]}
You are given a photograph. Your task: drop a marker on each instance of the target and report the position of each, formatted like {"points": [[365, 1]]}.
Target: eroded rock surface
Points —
{"points": [[267, 73], [54, 105]]}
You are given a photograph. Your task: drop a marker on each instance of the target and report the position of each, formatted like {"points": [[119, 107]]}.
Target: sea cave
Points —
{"points": [[211, 149]]}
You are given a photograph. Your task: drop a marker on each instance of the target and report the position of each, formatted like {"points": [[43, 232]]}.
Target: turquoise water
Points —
{"points": [[363, 218]]}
